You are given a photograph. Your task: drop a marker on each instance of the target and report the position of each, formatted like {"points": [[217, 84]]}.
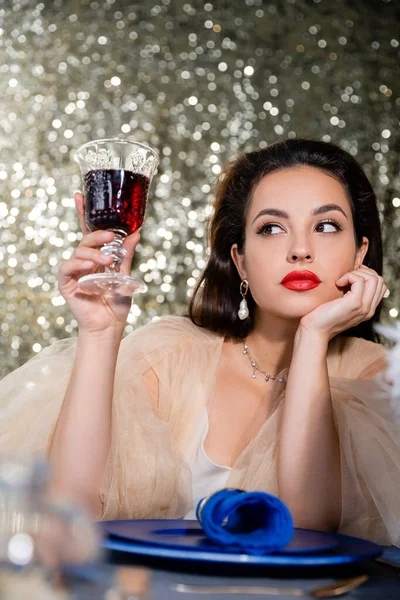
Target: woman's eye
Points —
{"points": [[269, 229], [328, 227]]}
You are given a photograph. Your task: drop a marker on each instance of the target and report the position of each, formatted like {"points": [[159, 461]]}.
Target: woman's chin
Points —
{"points": [[298, 309]]}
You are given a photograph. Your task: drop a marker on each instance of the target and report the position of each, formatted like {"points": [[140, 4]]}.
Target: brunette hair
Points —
{"points": [[215, 301]]}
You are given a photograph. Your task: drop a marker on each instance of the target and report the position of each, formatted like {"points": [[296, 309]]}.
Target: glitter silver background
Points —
{"points": [[199, 82]]}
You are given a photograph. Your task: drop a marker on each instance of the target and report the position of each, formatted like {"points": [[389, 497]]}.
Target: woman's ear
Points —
{"points": [[239, 261], [361, 252]]}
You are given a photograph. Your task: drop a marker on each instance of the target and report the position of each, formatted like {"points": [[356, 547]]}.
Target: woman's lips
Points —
{"points": [[300, 285], [300, 281]]}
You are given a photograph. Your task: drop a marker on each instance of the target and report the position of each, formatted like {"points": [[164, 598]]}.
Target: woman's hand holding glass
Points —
{"points": [[365, 290], [95, 313]]}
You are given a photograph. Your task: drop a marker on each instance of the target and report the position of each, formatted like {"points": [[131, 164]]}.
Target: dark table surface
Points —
{"points": [[383, 581]]}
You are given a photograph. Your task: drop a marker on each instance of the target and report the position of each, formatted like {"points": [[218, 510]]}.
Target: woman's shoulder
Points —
{"points": [[355, 357], [176, 328], [168, 333]]}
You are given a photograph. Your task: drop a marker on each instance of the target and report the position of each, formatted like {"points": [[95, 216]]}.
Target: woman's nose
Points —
{"points": [[299, 252]]}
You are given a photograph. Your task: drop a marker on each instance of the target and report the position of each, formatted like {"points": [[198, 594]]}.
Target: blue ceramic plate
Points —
{"points": [[187, 534], [184, 540]]}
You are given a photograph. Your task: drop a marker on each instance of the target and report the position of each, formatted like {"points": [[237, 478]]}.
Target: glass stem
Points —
{"points": [[115, 250]]}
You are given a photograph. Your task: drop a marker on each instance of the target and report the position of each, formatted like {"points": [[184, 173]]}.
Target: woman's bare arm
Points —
{"points": [[309, 470], [82, 438], [309, 475]]}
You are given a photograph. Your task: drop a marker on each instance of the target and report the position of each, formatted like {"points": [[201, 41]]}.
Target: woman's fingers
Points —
{"points": [[89, 249], [368, 295], [75, 266], [356, 283], [368, 270], [372, 291], [84, 259], [97, 239], [363, 290], [96, 256], [379, 293], [129, 245], [377, 286]]}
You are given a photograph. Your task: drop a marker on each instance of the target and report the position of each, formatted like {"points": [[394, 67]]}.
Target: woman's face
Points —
{"points": [[299, 220]]}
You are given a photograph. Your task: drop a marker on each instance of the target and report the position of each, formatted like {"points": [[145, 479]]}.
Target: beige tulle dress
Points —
{"points": [[165, 379]]}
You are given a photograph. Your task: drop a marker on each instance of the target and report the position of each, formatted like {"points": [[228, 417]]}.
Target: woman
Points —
{"points": [[264, 387]]}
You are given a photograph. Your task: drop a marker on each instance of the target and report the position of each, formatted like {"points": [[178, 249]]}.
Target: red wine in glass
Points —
{"points": [[116, 177], [115, 199]]}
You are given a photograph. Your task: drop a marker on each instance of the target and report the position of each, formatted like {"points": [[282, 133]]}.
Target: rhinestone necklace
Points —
{"points": [[256, 367]]}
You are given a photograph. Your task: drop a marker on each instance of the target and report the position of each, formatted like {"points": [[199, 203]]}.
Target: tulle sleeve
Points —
{"points": [[146, 475], [156, 406], [370, 456], [31, 399], [159, 398]]}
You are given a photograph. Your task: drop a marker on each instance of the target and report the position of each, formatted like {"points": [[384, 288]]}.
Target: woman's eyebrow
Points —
{"points": [[327, 208], [275, 212]]}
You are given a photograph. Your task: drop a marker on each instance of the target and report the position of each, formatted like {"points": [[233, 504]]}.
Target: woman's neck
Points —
{"points": [[271, 342]]}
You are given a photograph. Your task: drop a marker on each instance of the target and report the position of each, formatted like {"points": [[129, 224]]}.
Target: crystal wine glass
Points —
{"points": [[116, 177]]}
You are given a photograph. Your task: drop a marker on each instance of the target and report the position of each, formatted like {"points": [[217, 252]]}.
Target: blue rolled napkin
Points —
{"points": [[249, 522]]}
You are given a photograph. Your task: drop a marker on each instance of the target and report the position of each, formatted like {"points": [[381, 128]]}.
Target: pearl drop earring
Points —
{"points": [[243, 311]]}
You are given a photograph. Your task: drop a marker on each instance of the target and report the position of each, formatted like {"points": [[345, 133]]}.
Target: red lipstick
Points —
{"points": [[300, 281]]}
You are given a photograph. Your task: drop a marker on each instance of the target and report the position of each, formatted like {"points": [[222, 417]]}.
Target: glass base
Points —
{"points": [[112, 284]]}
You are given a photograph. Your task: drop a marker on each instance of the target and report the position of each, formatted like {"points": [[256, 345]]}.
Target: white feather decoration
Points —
{"points": [[389, 381]]}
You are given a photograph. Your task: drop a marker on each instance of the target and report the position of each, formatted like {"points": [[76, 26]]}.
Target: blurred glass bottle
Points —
{"points": [[35, 530]]}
